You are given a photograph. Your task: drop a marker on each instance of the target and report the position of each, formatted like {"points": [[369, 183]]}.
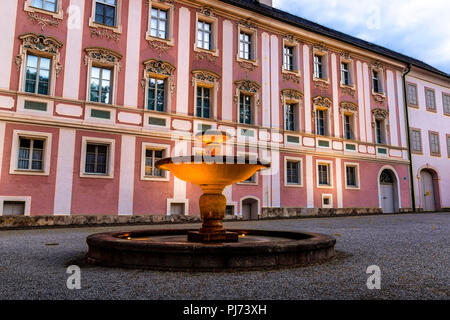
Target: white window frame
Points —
{"points": [[25, 199], [110, 161], [254, 45], [169, 7], [296, 57], [214, 34], [351, 73], [434, 110], [381, 82], [357, 176], [154, 146], [325, 67], [329, 163], [327, 195], [300, 173], [13, 169], [57, 14], [118, 21]]}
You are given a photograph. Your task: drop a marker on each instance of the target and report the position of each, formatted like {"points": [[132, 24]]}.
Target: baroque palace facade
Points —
{"points": [[93, 92]]}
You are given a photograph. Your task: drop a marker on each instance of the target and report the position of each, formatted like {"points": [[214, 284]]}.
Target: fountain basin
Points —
{"points": [[169, 249]]}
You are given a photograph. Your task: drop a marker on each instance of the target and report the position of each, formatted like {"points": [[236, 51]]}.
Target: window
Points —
{"points": [[345, 74], [14, 208], [288, 58], [321, 122], [430, 100], [100, 85], [229, 210], [348, 127], [323, 174], [203, 102], [252, 179], [49, 5], [293, 172], [31, 154], [105, 12], [416, 140], [151, 156], [204, 35], [446, 103], [379, 131], [156, 95], [412, 94], [376, 83], [351, 176], [158, 23], [318, 67], [245, 108], [290, 116], [245, 46], [37, 75], [96, 159], [448, 145], [435, 148]]}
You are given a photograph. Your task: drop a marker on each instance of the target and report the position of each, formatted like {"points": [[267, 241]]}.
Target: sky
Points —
{"points": [[416, 28]]}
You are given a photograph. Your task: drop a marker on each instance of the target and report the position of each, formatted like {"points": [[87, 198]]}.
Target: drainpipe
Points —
{"points": [[408, 135]]}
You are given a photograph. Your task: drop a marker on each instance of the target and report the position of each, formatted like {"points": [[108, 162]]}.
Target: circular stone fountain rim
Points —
{"points": [[200, 159], [286, 243]]}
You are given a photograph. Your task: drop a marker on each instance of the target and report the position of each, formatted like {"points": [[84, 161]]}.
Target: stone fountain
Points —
{"points": [[212, 247]]}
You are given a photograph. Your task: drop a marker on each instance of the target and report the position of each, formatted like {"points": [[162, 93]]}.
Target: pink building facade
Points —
{"points": [[93, 92]]}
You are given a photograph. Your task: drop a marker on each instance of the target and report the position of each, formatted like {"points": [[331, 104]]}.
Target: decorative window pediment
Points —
{"points": [[40, 43], [291, 95], [348, 107], [103, 56], [247, 86], [205, 76], [322, 102], [380, 114]]}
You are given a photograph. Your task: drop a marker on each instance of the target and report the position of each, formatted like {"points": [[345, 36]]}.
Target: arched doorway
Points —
{"points": [[388, 191], [429, 190], [250, 208]]}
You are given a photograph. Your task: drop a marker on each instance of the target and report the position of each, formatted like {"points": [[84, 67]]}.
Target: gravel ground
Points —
{"points": [[412, 251]]}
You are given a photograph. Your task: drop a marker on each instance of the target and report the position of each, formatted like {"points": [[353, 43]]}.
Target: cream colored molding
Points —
{"points": [[58, 14], [43, 46], [117, 28], [207, 15], [159, 44]]}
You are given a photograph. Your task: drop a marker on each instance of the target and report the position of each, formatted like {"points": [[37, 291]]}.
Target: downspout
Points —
{"points": [[408, 135]]}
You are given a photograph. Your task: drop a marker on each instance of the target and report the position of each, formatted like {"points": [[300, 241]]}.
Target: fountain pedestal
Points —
{"points": [[212, 210]]}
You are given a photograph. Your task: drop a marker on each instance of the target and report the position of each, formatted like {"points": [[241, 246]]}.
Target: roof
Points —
{"points": [[254, 5]]}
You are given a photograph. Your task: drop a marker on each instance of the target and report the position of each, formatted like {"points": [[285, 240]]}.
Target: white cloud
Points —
{"points": [[417, 28]]}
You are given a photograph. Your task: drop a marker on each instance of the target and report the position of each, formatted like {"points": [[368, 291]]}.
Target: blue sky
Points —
{"points": [[416, 28]]}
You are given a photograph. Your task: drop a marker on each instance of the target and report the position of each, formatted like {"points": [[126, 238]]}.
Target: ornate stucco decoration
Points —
{"points": [[203, 56], [158, 46], [161, 69], [349, 91], [248, 23], [348, 107], [318, 83], [99, 32], [103, 56], [43, 21], [320, 47], [207, 11], [346, 55], [291, 94], [377, 65], [380, 114], [161, 1], [205, 76], [40, 44], [290, 77], [247, 66], [379, 97], [322, 102], [249, 87]]}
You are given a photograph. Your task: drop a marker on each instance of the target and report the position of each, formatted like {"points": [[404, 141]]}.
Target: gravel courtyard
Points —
{"points": [[412, 251]]}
